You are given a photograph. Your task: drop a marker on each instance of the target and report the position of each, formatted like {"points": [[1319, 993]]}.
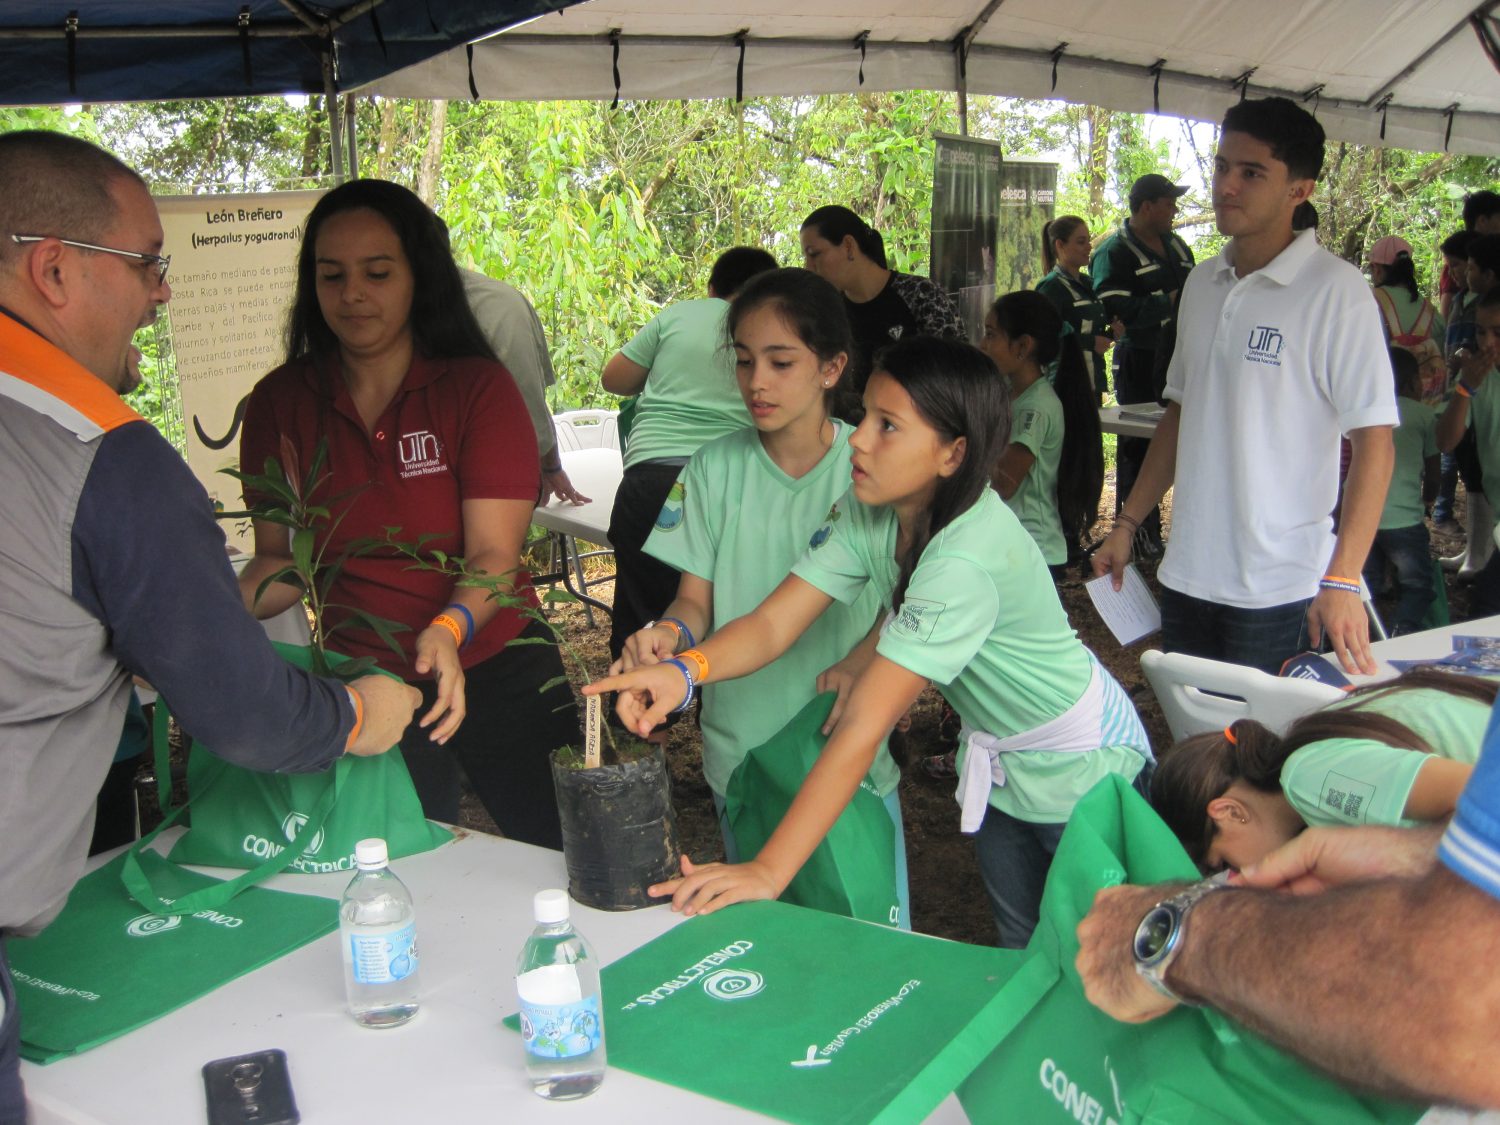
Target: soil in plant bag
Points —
{"points": [[619, 828]]}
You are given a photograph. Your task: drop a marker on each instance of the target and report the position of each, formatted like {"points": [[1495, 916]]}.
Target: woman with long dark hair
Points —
{"points": [[1394, 754], [425, 433], [884, 305], [1066, 247], [1052, 472], [970, 607]]}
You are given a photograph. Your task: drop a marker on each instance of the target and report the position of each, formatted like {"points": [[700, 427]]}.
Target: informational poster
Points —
{"points": [[1028, 202], [965, 218], [233, 274]]}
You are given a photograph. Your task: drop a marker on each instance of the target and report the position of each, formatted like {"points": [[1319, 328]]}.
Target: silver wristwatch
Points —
{"points": [[1160, 936]]}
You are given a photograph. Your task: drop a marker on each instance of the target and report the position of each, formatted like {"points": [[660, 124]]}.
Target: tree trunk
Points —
{"points": [[312, 144], [385, 151], [432, 157], [1097, 167]]}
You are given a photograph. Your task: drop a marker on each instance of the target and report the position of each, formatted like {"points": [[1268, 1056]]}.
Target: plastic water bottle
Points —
{"points": [[378, 930], [562, 1020]]}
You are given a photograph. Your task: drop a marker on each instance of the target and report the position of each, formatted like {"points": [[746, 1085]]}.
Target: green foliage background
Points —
{"points": [[602, 217]]}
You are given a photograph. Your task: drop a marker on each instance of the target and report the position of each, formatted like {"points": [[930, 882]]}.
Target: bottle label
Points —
{"points": [[561, 1031], [384, 958]]}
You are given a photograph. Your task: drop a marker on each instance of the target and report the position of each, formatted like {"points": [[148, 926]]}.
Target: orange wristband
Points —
{"points": [[359, 717], [452, 626], [698, 661]]}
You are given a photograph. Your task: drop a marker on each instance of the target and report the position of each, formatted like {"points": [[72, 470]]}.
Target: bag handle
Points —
{"points": [[138, 883]]}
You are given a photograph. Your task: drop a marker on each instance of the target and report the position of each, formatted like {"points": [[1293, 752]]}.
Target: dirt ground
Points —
{"points": [[947, 897]]}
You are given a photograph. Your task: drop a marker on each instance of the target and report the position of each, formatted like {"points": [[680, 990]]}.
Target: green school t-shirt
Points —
{"points": [[1416, 440], [735, 519], [1037, 424], [691, 396], [1362, 781], [981, 619]]}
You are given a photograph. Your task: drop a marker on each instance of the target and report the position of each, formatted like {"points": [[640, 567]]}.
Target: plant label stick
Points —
{"points": [[592, 718]]}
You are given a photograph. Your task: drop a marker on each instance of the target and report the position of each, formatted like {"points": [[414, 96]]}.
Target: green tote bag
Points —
{"points": [[1067, 1061], [271, 822], [853, 871]]}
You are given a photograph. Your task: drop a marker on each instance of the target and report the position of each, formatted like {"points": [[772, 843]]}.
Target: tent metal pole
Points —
{"points": [[335, 126], [351, 136], [1411, 67], [961, 84]]}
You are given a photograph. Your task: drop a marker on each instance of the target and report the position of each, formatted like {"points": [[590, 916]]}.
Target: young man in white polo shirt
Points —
{"points": [[1279, 350]]}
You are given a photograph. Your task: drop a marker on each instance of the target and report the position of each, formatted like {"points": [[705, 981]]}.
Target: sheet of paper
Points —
{"points": [[1131, 613]]}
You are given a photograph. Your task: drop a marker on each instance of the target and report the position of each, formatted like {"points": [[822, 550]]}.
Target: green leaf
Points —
{"points": [[552, 683]]}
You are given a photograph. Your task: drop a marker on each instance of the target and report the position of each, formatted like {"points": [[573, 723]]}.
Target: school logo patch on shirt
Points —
{"points": [[1264, 345], [670, 516], [1346, 797], [894, 331], [917, 618], [420, 454], [820, 536]]}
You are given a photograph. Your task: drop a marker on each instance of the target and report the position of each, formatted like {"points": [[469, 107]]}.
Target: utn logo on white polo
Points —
{"points": [[1264, 346]]}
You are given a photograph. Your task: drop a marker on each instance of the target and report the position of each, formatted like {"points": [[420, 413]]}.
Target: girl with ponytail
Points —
{"points": [[1052, 472], [971, 608], [1393, 754]]}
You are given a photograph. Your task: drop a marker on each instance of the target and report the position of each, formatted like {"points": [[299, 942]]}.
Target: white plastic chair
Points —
{"points": [[1198, 695], [581, 429], [587, 429]]}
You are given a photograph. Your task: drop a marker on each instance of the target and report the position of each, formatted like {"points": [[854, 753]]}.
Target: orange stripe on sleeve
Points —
{"points": [[35, 360]]}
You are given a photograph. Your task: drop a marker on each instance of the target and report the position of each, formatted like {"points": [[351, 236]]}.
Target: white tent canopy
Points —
{"points": [[1412, 68]]}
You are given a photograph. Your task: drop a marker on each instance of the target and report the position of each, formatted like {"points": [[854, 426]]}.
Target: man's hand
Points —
{"points": [[388, 706], [1321, 858], [841, 678], [1106, 953], [1112, 555], [1341, 615], [556, 483], [711, 886]]}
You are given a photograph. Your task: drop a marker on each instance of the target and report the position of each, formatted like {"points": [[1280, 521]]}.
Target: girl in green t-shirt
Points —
{"points": [[748, 504], [970, 608], [1393, 754], [1052, 472]]}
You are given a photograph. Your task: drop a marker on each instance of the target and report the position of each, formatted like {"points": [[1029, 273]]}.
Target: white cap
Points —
{"points": [[550, 907], [371, 854]]}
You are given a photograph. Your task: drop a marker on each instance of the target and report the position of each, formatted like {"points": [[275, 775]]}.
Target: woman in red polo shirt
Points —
{"points": [[426, 433]]}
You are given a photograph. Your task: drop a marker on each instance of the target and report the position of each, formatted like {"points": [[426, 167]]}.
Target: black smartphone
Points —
{"points": [[253, 1089]]}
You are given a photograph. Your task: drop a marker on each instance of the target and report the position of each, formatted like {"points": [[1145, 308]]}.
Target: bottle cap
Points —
{"points": [[371, 854], [550, 907]]}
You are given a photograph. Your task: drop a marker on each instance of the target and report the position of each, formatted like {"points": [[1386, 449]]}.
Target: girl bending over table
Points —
{"points": [[1393, 754], [971, 608]]}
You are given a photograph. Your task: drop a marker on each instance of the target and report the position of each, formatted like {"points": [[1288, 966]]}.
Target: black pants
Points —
{"points": [[644, 586], [503, 745], [1136, 380]]}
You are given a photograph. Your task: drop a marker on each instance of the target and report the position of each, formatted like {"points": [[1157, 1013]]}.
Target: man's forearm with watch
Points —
{"points": [[1388, 985]]}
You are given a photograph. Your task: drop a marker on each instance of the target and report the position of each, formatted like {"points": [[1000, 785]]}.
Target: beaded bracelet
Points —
{"points": [[452, 625], [699, 661], [1332, 582], [687, 678], [677, 625], [468, 617]]}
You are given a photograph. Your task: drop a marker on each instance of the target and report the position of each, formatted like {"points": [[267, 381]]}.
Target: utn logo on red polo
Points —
{"points": [[420, 454]]}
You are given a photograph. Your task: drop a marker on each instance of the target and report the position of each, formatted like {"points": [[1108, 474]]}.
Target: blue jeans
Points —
{"points": [[1408, 551], [1014, 858], [1257, 638], [12, 1093]]}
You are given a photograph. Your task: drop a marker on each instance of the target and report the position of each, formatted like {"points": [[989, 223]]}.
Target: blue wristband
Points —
{"points": [[686, 632], [468, 617], [687, 678]]}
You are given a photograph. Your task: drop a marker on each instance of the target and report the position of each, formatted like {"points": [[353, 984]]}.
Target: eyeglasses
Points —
{"points": [[161, 262]]}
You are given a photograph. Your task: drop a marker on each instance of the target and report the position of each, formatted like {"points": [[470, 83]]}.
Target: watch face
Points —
{"points": [[1152, 934]]}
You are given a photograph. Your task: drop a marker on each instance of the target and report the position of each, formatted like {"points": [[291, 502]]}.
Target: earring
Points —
{"points": [[1241, 819]]}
